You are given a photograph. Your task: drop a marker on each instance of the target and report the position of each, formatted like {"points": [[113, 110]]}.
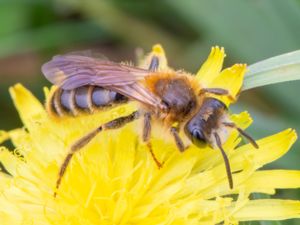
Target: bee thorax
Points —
{"points": [[177, 96]]}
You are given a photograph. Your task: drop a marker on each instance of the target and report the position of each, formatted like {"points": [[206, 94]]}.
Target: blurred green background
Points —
{"points": [[32, 31]]}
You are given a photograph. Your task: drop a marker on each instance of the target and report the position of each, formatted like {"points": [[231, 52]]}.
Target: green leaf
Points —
{"points": [[272, 31], [274, 70], [260, 223]]}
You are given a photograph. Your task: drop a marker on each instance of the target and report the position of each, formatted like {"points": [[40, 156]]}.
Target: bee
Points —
{"points": [[170, 97]]}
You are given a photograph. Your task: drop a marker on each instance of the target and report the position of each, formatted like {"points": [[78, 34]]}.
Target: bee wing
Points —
{"points": [[138, 92], [73, 71]]}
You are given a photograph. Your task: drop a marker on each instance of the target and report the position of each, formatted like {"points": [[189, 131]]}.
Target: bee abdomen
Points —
{"points": [[83, 99]]}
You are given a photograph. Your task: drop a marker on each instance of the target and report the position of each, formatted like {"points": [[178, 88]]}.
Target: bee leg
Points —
{"points": [[154, 63], [226, 161], [178, 141], [218, 91], [80, 143], [243, 133], [146, 138]]}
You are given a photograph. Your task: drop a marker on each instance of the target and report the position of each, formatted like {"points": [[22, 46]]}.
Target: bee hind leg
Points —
{"points": [[80, 143], [243, 133], [146, 138]]}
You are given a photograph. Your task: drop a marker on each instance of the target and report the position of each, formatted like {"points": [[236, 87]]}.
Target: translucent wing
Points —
{"points": [[73, 71]]}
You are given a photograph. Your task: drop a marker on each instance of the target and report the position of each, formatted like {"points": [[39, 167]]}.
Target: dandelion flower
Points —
{"points": [[113, 180]]}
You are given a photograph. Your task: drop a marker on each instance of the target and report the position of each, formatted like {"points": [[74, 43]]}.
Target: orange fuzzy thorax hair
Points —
{"points": [[153, 79]]}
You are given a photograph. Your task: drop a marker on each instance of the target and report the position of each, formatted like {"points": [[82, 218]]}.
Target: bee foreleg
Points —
{"points": [[178, 141], [146, 137], [243, 133], [154, 63], [218, 91], [226, 161], [79, 144]]}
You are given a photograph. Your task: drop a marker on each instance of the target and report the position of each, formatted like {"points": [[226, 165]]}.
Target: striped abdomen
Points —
{"points": [[83, 99]]}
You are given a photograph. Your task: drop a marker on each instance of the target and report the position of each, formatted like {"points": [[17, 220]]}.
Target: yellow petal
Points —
{"points": [[214, 181], [21, 140], [270, 149], [269, 209], [272, 179], [166, 183], [30, 109], [211, 67], [243, 119], [3, 136], [230, 79], [157, 51], [9, 214], [10, 160]]}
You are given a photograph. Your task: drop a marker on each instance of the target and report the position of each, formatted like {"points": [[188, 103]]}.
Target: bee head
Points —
{"points": [[194, 129]]}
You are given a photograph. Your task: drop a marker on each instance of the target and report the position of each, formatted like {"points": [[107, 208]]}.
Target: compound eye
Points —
{"points": [[198, 136]]}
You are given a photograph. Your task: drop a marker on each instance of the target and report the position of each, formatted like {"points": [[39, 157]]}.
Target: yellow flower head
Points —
{"points": [[113, 180]]}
